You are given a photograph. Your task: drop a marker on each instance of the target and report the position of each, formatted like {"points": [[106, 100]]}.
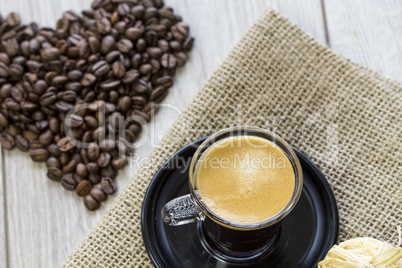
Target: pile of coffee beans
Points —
{"points": [[76, 97]]}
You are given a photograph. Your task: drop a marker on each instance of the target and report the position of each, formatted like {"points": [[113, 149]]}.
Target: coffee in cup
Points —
{"points": [[245, 179]]}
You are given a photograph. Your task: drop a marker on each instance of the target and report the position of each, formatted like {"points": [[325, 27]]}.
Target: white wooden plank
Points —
{"points": [[367, 32], [46, 221], [3, 218]]}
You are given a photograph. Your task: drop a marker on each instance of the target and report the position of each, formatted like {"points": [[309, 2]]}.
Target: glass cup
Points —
{"points": [[231, 239]]}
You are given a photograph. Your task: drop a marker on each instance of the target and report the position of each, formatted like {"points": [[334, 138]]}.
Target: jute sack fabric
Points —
{"points": [[346, 118]]}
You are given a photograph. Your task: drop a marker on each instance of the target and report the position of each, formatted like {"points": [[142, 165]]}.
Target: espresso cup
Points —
{"points": [[229, 234]]}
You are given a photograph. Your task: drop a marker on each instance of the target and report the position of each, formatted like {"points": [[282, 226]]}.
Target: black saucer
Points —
{"points": [[306, 234]]}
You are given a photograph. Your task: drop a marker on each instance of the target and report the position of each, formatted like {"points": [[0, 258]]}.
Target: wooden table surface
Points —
{"points": [[41, 223]]}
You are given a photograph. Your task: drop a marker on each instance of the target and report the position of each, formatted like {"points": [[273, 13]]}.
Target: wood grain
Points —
{"points": [[367, 32], [45, 222], [3, 218]]}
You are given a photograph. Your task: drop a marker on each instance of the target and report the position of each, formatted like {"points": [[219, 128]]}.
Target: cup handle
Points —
{"points": [[181, 210]]}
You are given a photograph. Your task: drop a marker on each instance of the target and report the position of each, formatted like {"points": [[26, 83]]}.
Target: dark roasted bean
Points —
{"points": [[107, 44], [108, 185], [98, 194], [65, 145], [39, 155], [54, 173], [119, 163], [90, 202], [7, 141], [53, 162], [50, 54], [103, 160], [83, 188], [68, 183]]}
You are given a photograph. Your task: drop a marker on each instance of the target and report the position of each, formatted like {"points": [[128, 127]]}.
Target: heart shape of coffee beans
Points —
{"points": [[76, 97]]}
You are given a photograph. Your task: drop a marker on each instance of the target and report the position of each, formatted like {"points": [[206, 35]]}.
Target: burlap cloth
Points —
{"points": [[346, 118]]}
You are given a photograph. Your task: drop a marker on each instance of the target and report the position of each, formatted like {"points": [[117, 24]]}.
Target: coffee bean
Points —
{"points": [[4, 58], [104, 26], [145, 68], [107, 44], [22, 143], [93, 151], [39, 155], [103, 160], [53, 162], [47, 99], [76, 121], [119, 70], [68, 96], [12, 104], [98, 194], [74, 75], [88, 79], [124, 45], [107, 145], [99, 133], [108, 185], [140, 86], [7, 141], [77, 177], [65, 145], [109, 84], [91, 121], [83, 188], [112, 56], [81, 170], [68, 183], [54, 125], [70, 166], [94, 44], [30, 135], [141, 45], [165, 81], [13, 19], [53, 150], [94, 178], [28, 106], [108, 171], [157, 92], [119, 163], [135, 128], [54, 174], [168, 61], [188, 44], [181, 58], [63, 107], [35, 144], [100, 68], [90, 203], [129, 136], [134, 33], [60, 81], [4, 70], [92, 168], [65, 159], [180, 31], [131, 76], [3, 121], [46, 138], [12, 47], [16, 71], [124, 104], [50, 54]]}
